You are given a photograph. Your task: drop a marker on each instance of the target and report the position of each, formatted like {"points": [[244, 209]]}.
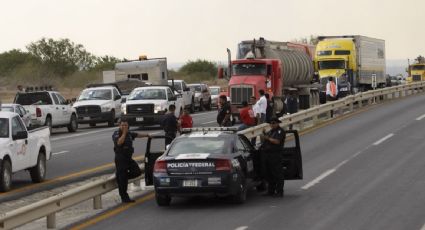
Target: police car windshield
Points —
{"points": [[98, 94], [4, 128], [211, 145], [147, 94]]}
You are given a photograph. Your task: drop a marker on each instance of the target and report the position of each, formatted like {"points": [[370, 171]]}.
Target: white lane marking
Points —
{"points": [[383, 139], [241, 228], [318, 179], [82, 134], [61, 152], [418, 119], [209, 122]]}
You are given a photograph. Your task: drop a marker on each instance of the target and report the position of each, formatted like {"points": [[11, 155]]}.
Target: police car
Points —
{"points": [[211, 161]]}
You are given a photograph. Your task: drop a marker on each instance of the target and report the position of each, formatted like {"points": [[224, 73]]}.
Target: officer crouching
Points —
{"points": [[272, 150], [126, 167]]}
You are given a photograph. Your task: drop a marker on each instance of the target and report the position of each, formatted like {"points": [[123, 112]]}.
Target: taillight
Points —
{"points": [[38, 112], [160, 166], [223, 165]]}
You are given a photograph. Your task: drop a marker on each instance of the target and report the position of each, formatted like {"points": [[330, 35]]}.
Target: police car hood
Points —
{"points": [[91, 102]]}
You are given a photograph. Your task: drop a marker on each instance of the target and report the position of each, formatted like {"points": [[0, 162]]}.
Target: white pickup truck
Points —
{"points": [[188, 95], [146, 105], [21, 149], [48, 108]]}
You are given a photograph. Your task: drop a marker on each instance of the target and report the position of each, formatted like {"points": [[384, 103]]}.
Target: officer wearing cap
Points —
{"points": [[126, 167], [272, 150]]}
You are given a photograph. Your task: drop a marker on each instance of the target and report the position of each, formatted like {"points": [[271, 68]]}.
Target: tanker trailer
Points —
{"points": [[276, 67]]}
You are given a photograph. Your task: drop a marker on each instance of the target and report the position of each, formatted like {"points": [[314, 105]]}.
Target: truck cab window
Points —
{"points": [[17, 126], [55, 99], [4, 128]]}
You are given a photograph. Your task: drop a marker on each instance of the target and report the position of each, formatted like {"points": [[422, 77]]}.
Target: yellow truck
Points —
{"points": [[355, 62], [416, 71]]}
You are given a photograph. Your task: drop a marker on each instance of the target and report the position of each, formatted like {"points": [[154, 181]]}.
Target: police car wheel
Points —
{"points": [[162, 200], [5, 175], [240, 196]]}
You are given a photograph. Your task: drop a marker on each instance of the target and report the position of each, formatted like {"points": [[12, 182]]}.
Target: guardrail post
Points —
{"points": [[97, 202], [351, 107], [393, 95], [315, 120], [301, 125], [51, 220]]}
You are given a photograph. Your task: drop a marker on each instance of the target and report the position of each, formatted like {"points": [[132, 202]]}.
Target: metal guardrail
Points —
{"points": [[94, 190]]}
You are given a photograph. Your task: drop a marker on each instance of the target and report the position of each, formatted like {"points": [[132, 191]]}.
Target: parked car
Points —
{"points": [[202, 96], [21, 149], [188, 96], [48, 108], [98, 104], [215, 94], [19, 109]]}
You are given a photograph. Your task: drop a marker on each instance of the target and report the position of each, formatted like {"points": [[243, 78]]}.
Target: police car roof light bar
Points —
{"points": [[202, 129]]}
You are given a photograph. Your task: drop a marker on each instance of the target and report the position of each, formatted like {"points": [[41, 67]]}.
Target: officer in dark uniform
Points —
{"points": [[224, 112], [272, 150], [126, 167], [170, 124]]}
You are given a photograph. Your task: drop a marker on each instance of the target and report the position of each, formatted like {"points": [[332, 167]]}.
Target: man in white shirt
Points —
{"points": [[261, 107]]}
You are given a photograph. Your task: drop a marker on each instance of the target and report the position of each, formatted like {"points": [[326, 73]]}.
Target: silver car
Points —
{"points": [[19, 109], [202, 96]]}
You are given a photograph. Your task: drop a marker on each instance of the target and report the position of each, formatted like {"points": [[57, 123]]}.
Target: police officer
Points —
{"points": [[170, 125], [126, 167], [224, 113], [272, 150]]}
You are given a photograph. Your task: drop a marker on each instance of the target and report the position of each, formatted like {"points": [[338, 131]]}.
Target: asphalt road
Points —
{"points": [[365, 172], [85, 152]]}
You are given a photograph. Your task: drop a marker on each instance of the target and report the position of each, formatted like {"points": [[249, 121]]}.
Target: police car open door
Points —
{"points": [[150, 158], [292, 161]]}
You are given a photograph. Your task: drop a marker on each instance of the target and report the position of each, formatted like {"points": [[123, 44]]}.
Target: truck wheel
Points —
{"points": [[162, 200], [111, 122], [192, 106], [48, 123], [73, 124], [240, 196], [201, 105], [38, 172], [5, 175]]}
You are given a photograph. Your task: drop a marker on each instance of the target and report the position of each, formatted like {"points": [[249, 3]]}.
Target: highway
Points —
{"points": [[85, 153], [362, 172]]}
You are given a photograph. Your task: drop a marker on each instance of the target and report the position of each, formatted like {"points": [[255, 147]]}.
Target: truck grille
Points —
{"points": [[416, 77], [240, 93], [88, 109], [140, 109]]}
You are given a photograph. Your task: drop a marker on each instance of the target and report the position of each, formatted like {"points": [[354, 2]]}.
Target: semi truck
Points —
{"points": [[356, 62], [278, 68], [416, 70], [152, 71]]}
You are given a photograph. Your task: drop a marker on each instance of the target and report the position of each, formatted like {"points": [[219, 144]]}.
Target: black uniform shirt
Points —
{"points": [[224, 110], [127, 146], [278, 134], [169, 123]]}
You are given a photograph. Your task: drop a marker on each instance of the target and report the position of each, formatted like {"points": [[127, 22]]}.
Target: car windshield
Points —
{"points": [[8, 109], [147, 94], [4, 128], [211, 145], [249, 69], [196, 88], [336, 64], [177, 85], [39, 98], [215, 91], [96, 94], [418, 67]]}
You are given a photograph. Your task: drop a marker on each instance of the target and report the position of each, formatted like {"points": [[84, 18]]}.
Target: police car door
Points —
{"points": [[150, 158], [246, 151], [292, 161]]}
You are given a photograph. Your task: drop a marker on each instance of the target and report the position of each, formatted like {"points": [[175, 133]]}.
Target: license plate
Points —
{"points": [[86, 118], [139, 118], [190, 183], [343, 89]]}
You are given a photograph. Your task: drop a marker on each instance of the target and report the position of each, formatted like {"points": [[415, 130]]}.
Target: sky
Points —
{"points": [[183, 30]]}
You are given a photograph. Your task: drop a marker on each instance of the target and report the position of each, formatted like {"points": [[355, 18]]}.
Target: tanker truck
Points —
{"points": [[416, 71], [278, 68], [357, 63]]}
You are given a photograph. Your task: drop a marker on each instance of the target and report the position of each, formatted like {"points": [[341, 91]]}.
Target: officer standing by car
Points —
{"points": [[170, 125], [272, 150], [126, 167], [224, 113]]}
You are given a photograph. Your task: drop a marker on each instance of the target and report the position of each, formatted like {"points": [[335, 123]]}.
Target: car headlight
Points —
{"points": [[159, 108], [105, 108], [124, 108]]}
